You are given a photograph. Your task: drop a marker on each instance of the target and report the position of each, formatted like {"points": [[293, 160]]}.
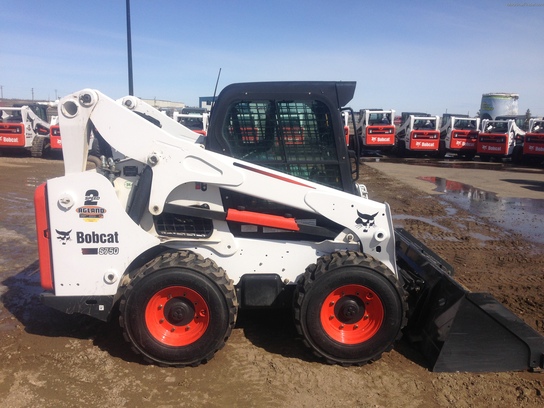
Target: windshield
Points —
{"points": [[295, 137], [465, 124], [10, 116], [497, 127], [538, 127], [193, 123], [379, 119], [424, 124]]}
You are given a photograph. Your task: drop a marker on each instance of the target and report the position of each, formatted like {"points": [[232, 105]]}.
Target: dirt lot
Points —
{"points": [[54, 360]]}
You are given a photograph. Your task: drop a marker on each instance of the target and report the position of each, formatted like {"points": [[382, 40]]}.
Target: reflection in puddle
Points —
{"points": [[449, 211], [480, 237], [33, 181], [454, 187], [520, 215], [426, 220]]}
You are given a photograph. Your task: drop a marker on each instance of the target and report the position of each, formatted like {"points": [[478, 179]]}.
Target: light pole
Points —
{"points": [[129, 49]]}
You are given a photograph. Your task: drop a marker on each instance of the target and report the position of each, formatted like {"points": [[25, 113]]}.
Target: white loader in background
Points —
{"points": [[24, 127], [418, 134]]}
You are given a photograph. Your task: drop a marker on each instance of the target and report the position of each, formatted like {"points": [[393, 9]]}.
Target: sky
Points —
{"points": [[425, 56]]}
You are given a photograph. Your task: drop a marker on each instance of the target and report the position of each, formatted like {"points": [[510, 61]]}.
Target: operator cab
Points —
{"points": [[301, 133]]}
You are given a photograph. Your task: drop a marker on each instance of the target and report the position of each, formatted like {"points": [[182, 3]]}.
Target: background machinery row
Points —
{"points": [[495, 134], [516, 137]]}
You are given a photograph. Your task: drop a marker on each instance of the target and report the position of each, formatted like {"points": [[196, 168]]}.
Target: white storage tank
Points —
{"points": [[498, 104]]}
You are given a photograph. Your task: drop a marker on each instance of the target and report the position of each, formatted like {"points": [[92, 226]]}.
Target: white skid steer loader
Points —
{"points": [[180, 231], [25, 127]]}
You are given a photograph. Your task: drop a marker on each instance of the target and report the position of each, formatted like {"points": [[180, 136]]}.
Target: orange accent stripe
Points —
{"points": [[265, 220], [265, 173], [43, 233]]}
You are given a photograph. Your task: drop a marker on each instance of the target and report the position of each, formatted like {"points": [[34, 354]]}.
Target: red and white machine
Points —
{"points": [[54, 135], [24, 127], [459, 135], [533, 142], [376, 129], [498, 138], [418, 134], [178, 236], [195, 119]]}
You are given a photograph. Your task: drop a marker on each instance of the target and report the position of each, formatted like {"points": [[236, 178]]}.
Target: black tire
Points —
{"points": [[401, 148], [517, 155], [95, 149], [178, 310], [99, 147], [349, 308], [40, 145], [441, 149]]}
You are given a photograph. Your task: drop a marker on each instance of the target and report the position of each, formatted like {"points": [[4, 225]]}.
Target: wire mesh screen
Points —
{"points": [[183, 226], [294, 137]]}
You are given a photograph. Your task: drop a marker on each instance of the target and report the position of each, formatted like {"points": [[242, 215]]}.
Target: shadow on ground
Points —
{"points": [[272, 330]]}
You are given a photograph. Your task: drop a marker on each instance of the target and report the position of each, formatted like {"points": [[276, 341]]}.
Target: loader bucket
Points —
{"points": [[455, 329]]}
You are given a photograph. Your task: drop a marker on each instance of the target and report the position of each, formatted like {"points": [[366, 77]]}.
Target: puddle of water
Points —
{"points": [[450, 211], [519, 215], [481, 237], [18, 182], [454, 162], [429, 221]]}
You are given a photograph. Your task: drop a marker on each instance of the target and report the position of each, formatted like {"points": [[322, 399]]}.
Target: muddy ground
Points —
{"points": [[49, 359]]}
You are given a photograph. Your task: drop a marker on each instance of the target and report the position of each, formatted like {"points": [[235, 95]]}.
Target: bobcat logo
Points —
{"points": [[365, 221], [63, 236]]}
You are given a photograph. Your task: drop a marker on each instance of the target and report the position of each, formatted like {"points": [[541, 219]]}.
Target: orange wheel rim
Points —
{"points": [[352, 314], [177, 316]]}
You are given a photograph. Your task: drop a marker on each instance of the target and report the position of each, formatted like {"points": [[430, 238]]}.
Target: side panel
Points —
{"points": [[492, 143], [93, 240], [54, 137], [12, 135], [463, 140], [370, 221], [286, 259], [424, 140], [534, 144], [380, 136]]}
